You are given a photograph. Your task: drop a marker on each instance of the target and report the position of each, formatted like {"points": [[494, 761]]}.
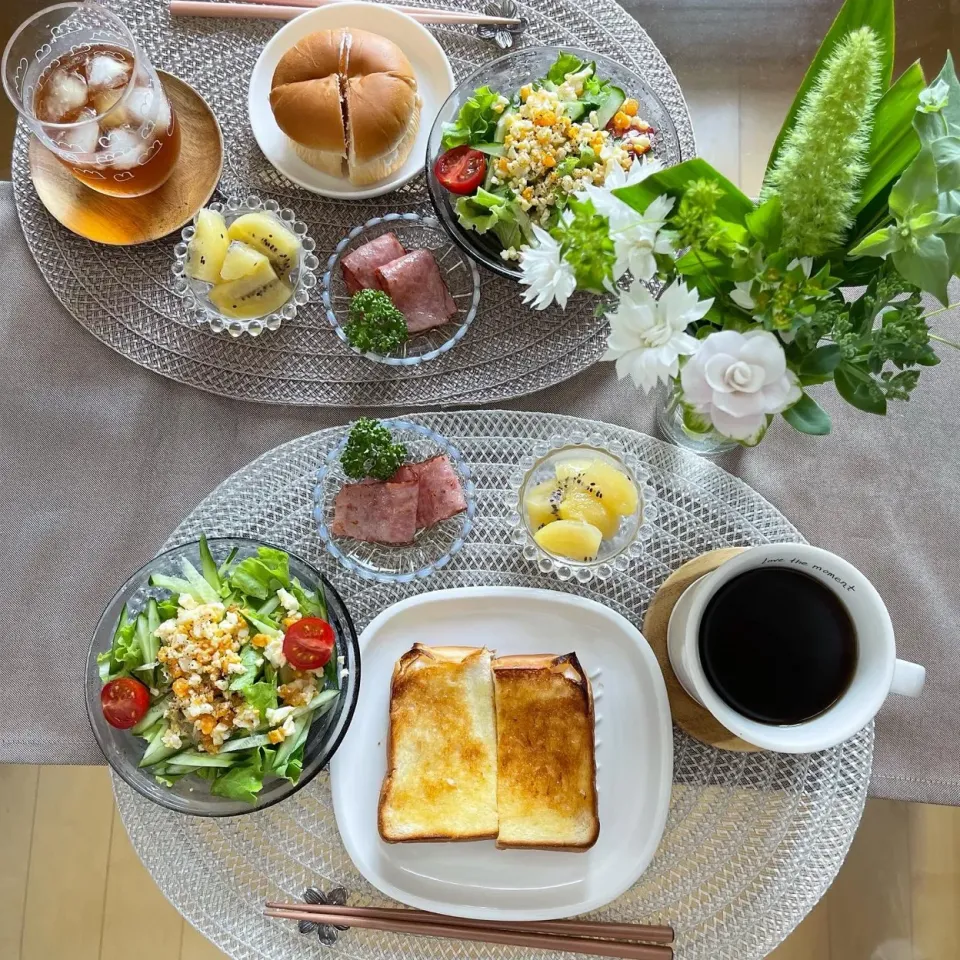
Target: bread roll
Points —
{"points": [[347, 97]]}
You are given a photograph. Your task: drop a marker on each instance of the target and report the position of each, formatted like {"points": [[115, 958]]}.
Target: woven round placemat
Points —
{"points": [[752, 839], [123, 296]]}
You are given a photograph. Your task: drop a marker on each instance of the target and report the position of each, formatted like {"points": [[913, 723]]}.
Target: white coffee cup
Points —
{"points": [[878, 671]]}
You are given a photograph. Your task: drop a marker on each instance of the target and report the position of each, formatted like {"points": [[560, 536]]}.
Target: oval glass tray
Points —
{"points": [[124, 297], [752, 841]]}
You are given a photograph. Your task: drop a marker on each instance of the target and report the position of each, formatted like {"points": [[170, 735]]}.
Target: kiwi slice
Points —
{"points": [[254, 295]]}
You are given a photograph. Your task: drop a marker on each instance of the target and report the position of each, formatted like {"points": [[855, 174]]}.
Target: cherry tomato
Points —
{"points": [[308, 643], [124, 702], [461, 170]]}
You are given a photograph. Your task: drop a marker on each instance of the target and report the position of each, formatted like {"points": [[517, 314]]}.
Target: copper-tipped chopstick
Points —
{"points": [[578, 928], [284, 10], [509, 934]]}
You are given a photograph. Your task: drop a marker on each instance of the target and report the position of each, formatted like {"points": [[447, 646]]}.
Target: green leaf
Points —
{"points": [[565, 63], [858, 394], [946, 155], [916, 190], [934, 98], [931, 125], [807, 416], [262, 696], [476, 122], [766, 223], [934, 222], [854, 14], [734, 205], [880, 243], [823, 360], [242, 782], [927, 267], [893, 142]]}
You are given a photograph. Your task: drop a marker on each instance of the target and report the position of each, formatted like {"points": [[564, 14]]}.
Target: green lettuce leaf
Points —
{"points": [[262, 696], [312, 602], [565, 63], [243, 782], [263, 574], [485, 211], [476, 122], [252, 661]]}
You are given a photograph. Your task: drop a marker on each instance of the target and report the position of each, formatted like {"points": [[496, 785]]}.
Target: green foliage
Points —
{"points": [[821, 163], [586, 245], [854, 14], [371, 452], [374, 324], [733, 205], [807, 416]]}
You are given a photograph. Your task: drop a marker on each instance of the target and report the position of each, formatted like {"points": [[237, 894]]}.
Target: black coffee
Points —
{"points": [[777, 645]]}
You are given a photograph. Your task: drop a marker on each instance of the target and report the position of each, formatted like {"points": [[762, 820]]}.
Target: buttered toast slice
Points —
{"points": [[546, 773], [441, 781]]}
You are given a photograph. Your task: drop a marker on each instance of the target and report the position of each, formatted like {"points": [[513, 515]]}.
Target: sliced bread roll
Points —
{"points": [[384, 119], [309, 112]]}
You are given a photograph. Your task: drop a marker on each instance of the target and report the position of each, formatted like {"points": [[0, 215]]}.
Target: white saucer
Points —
{"points": [[430, 64], [634, 744]]}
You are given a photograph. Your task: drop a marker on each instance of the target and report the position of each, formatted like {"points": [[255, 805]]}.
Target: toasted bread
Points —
{"points": [[546, 772], [441, 781]]}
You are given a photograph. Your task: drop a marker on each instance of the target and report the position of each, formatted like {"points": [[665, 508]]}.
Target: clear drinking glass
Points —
{"points": [[88, 92]]}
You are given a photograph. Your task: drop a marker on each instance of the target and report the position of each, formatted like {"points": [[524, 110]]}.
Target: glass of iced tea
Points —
{"points": [[87, 90]]}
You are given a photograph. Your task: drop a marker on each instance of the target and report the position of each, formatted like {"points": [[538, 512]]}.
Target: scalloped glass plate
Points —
{"points": [[460, 275], [616, 552], [196, 294], [432, 548]]}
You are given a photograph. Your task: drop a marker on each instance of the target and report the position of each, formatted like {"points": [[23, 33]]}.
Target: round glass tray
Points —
{"points": [[752, 839], [125, 297]]}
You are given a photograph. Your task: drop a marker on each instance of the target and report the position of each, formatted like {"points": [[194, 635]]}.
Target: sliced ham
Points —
{"points": [[441, 495], [377, 512], [413, 282], [360, 265]]}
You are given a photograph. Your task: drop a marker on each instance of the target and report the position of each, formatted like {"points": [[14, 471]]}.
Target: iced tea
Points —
{"points": [[111, 119]]}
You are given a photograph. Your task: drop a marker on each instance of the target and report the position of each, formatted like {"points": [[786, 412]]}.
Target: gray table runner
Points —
{"points": [[100, 460]]}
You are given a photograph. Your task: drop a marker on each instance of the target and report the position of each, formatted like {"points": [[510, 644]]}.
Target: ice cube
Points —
{"points": [[103, 101], [62, 94], [105, 72], [83, 137], [125, 146]]}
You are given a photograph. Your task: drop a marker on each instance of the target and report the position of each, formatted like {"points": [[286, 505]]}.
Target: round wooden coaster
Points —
{"points": [[689, 715], [123, 221]]}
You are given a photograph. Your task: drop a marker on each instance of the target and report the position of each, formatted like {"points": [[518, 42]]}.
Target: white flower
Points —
{"points": [[648, 336], [636, 240], [741, 295], [736, 380], [548, 276], [613, 208]]}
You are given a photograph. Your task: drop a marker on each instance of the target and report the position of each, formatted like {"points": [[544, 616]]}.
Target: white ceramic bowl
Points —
{"points": [[434, 83]]}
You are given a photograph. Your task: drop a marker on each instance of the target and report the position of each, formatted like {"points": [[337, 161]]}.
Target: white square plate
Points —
{"points": [[634, 749], [430, 65]]}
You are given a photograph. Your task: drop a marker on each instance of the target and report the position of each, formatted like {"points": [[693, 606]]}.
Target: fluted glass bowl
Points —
{"points": [[191, 795], [617, 552], [506, 76], [432, 548], [459, 274], [195, 294]]}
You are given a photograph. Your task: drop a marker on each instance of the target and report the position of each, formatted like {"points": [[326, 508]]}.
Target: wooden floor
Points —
{"points": [[72, 888]]}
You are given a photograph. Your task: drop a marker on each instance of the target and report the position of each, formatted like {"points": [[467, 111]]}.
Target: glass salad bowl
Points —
{"points": [[459, 273], [568, 457], [191, 795], [433, 546], [195, 294], [506, 76]]}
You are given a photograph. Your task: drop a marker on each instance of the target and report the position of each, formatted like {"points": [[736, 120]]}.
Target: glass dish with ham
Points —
{"points": [[398, 291], [394, 500]]}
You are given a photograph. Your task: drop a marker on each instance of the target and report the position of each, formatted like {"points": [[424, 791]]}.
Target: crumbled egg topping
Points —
{"points": [[539, 136]]}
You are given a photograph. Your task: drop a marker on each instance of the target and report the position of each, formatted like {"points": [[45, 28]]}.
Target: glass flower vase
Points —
{"points": [[671, 427]]}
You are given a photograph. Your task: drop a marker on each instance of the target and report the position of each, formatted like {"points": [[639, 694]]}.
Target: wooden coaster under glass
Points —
{"points": [[124, 221]]}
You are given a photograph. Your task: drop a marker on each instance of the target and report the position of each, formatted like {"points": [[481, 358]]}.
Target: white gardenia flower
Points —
{"points": [[736, 380], [648, 336], [547, 275]]}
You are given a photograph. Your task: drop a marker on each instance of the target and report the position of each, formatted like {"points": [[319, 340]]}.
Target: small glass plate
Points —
{"points": [[616, 552], [432, 548], [460, 274], [196, 294]]}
